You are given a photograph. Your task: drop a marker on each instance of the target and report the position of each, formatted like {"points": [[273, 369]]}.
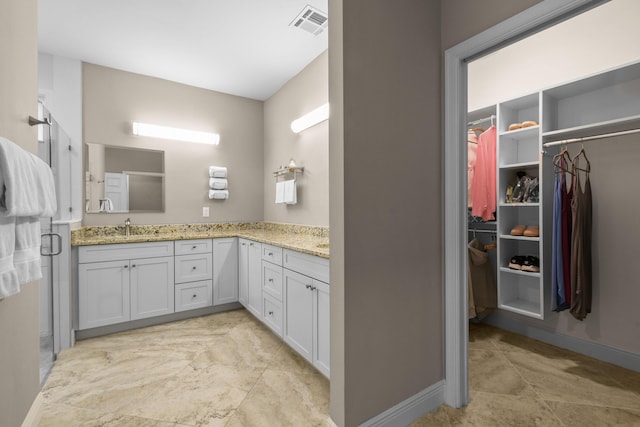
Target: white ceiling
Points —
{"points": [[242, 47]]}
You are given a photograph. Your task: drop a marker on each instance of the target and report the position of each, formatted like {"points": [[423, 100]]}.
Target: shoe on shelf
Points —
{"points": [[514, 126], [518, 230], [528, 123], [531, 264], [531, 231], [517, 262]]}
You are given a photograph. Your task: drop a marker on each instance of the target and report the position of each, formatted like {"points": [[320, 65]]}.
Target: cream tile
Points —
{"points": [[57, 415], [197, 397], [481, 336], [593, 416], [491, 372], [437, 418], [288, 360], [285, 399], [489, 410], [566, 380]]}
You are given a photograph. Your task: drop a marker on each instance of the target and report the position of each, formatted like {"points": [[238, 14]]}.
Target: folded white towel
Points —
{"points": [[280, 192], [26, 257], [218, 183], [219, 194], [29, 189], [290, 192], [217, 172], [9, 284]]}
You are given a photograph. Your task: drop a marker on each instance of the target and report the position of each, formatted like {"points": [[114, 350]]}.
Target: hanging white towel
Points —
{"points": [[9, 284], [280, 192], [26, 257], [217, 172], [218, 194], [218, 183], [29, 188], [290, 192]]}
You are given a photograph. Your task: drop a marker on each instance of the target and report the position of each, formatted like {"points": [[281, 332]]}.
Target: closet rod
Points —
{"points": [[590, 138], [486, 119], [471, 230]]}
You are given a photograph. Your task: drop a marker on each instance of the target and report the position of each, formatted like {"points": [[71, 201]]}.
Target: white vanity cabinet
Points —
{"points": [[250, 276], [123, 282], [193, 274], [306, 307], [272, 310], [225, 270]]}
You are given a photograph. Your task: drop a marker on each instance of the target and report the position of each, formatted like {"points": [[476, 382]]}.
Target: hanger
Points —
{"points": [[558, 165], [576, 161], [478, 129]]}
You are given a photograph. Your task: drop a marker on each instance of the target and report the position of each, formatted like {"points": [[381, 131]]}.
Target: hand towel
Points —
{"points": [[29, 189], [280, 192], [26, 257], [290, 192], [9, 284], [217, 172], [219, 194], [218, 183]]}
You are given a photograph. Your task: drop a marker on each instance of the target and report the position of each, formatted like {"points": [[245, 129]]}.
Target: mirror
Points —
{"points": [[123, 179]]}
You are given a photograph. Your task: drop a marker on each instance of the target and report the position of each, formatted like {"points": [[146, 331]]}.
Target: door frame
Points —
{"points": [[538, 17]]}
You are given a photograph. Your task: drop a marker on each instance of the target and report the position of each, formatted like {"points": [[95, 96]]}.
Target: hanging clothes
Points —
{"points": [[483, 292], [484, 182], [567, 196], [581, 275], [560, 277], [472, 150]]}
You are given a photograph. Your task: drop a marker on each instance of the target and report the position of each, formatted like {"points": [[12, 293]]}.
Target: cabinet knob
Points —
{"points": [[250, 244], [193, 247], [194, 296], [126, 266], [133, 266], [308, 286], [193, 268], [271, 280], [271, 313], [313, 288], [270, 253]]}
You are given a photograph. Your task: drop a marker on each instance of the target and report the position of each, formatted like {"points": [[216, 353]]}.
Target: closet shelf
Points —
{"points": [[617, 125], [520, 165], [518, 272], [524, 238], [521, 306], [523, 133]]}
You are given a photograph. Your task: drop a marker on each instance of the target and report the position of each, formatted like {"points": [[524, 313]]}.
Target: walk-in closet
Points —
{"points": [[559, 112]]}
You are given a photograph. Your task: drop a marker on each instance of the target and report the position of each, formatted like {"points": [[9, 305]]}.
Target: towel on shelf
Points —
{"points": [[217, 172], [290, 192], [218, 183], [29, 189], [280, 192], [26, 257], [219, 194], [9, 284]]}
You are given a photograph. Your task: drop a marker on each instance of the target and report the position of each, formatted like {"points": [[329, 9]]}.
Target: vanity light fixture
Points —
{"points": [[165, 132], [312, 118]]}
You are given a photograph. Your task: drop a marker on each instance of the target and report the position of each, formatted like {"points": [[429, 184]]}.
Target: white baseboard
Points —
{"points": [[35, 412], [589, 348], [409, 410]]}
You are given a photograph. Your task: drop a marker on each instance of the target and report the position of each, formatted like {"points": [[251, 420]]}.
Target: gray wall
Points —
{"points": [[19, 325], [385, 63], [113, 99], [310, 148]]}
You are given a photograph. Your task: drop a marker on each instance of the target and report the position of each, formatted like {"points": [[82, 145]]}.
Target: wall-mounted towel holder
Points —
{"points": [[286, 170]]}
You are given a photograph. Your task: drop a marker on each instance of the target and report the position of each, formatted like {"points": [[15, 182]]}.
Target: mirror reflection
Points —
{"points": [[123, 179]]}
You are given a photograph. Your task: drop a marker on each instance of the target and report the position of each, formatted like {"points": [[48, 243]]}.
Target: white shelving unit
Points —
{"points": [[599, 104]]}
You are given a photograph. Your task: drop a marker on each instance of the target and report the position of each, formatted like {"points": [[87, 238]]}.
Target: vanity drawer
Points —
{"points": [[272, 254], [195, 246], [120, 251], [272, 317], [191, 268], [194, 295], [272, 280], [309, 265]]}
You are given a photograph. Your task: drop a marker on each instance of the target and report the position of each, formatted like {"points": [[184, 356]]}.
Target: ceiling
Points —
{"points": [[242, 47]]}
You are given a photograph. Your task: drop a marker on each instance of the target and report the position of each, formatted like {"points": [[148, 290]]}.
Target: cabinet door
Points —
{"points": [[321, 334], [255, 279], [103, 293], [152, 287], [298, 315], [225, 271], [243, 272]]}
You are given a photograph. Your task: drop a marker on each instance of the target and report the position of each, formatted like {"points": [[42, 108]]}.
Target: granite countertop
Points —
{"points": [[306, 239]]}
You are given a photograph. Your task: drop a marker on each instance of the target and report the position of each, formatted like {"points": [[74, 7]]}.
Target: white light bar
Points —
{"points": [[316, 116], [155, 131]]}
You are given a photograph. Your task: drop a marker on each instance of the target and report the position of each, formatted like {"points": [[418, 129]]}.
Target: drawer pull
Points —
{"points": [[194, 247], [270, 253], [194, 267], [313, 288], [126, 266], [194, 296], [271, 280], [308, 286], [271, 313], [133, 266]]}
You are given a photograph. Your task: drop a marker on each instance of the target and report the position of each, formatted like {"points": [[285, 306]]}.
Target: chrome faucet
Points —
{"points": [[127, 227]]}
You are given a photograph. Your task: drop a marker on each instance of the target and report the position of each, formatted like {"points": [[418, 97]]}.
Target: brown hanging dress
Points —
{"points": [[581, 278]]}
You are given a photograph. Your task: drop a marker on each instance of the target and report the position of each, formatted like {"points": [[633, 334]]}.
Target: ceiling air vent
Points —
{"points": [[311, 20]]}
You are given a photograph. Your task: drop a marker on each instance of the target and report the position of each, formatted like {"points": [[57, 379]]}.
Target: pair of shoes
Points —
{"points": [[525, 124], [530, 231], [526, 190], [525, 263]]}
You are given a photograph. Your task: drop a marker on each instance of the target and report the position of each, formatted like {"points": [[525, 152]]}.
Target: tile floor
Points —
{"points": [[226, 369], [517, 381], [229, 370]]}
